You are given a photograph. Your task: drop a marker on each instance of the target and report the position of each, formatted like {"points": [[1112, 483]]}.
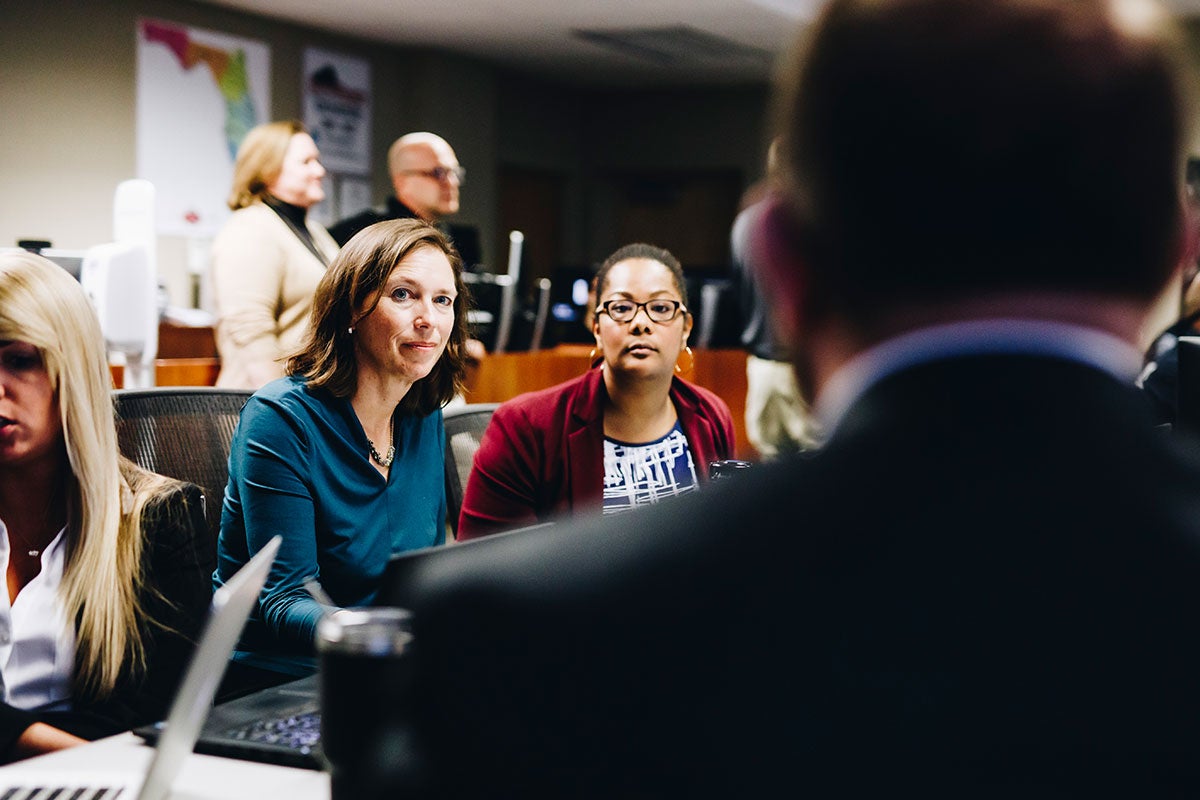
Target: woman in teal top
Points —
{"points": [[344, 457]]}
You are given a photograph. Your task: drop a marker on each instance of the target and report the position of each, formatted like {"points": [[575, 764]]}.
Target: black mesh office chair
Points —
{"points": [[184, 433], [464, 429]]}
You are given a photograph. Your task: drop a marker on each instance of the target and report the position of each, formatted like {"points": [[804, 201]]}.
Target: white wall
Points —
{"points": [[67, 134]]}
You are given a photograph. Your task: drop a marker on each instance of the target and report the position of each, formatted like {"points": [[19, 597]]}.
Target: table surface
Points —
{"points": [[201, 778]]}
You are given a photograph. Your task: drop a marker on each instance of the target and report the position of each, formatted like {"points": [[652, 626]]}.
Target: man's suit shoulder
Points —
{"points": [[345, 230]]}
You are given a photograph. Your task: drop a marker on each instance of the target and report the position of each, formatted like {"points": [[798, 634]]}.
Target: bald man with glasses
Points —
{"points": [[426, 177]]}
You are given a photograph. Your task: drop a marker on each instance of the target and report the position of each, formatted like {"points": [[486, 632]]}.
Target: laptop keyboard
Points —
{"points": [[300, 732], [52, 792]]}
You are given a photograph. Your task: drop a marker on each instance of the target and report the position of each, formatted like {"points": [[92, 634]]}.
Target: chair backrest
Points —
{"points": [[465, 425], [184, 433]]}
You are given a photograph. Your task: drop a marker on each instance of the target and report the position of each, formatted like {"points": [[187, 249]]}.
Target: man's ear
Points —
{"points": [[782, 262]]}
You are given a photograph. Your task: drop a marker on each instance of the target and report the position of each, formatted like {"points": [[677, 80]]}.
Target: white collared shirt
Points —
{"points": [[37, 645], [978, 337]]}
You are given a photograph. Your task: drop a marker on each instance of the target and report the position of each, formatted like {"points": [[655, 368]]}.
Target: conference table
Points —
{"points": [[201, 778]]}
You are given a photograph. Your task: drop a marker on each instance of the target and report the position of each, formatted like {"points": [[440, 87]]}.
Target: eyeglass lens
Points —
{"points": [[445, 173], [657, 310]]}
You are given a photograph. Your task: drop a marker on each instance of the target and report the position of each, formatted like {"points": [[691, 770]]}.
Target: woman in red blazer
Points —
{"points": [[625, 434]]}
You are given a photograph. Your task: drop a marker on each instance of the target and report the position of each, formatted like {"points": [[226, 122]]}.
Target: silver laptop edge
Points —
{"points": [[231, 605]]}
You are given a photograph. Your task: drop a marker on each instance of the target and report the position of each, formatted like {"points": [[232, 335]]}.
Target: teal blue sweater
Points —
{"points": [[299, 468]]}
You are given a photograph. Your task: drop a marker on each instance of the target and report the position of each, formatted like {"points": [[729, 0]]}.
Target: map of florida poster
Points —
{"points": [[198, 93]]}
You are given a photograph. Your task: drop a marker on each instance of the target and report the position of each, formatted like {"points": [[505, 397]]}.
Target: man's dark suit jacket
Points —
{"points": [[464, 237], [986, 584], [344, 230]]}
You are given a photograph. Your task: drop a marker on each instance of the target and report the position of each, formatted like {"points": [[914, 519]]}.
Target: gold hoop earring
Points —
{"points": [[691, 360]]}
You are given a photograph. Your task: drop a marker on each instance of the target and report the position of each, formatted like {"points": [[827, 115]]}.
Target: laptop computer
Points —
{"points": [[282, 724], [231, 606], [395, 589], [277, 725]]}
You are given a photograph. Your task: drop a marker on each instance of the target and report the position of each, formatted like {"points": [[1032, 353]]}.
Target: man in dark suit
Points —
{"points": [[987, 582]]}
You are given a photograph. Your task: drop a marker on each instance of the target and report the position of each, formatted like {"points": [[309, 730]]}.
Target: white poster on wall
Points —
{"points": [[337, 109], [354, 196], [198, 93], [323, 212]]}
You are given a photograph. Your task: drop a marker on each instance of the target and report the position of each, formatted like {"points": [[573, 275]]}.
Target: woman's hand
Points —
{"points": [[41, 738]]}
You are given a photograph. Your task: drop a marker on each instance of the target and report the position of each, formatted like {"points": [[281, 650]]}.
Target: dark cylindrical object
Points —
{"points": [[364, 663]]}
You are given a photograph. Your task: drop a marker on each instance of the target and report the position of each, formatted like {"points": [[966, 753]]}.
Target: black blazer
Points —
{"points": [[988, 579], [180, 556]]}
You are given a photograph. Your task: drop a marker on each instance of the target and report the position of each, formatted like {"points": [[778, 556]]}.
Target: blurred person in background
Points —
{"points": [[268, 257], [425, 176], [778, 419]]}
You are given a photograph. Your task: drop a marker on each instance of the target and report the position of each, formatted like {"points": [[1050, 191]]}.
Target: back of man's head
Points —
{"points": [[938, 149]]}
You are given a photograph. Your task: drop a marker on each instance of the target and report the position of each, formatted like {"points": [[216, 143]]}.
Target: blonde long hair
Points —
{"points": [[260, 160], [106, 495]]}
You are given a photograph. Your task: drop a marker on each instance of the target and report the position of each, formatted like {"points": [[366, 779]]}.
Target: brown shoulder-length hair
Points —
{"points": [[350, 290], [260, 160]]}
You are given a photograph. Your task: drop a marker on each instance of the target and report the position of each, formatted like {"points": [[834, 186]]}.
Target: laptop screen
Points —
{"points": [[401, 569]]}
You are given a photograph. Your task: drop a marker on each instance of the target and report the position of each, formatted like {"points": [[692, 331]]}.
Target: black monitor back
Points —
{"points": [[1187, 418], [403, 569], [568, 306]]}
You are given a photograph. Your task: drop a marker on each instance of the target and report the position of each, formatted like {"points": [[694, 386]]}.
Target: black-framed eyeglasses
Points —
{"points": [[439, 173], [656, 310]]}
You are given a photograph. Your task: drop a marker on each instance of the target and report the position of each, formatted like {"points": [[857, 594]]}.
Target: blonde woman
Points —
{"points": [[106, 565], [269, 257]]}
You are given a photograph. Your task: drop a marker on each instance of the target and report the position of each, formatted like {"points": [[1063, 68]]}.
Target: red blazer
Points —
{"points": [[542, 454]]}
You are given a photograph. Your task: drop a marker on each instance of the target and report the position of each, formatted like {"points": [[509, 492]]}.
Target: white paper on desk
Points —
{"points": [[202, 778]]}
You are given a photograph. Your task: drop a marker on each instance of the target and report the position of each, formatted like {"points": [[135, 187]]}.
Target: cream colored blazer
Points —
{"points": [[263, 282]]}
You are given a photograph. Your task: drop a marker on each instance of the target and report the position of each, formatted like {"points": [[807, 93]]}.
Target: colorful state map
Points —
{"points": [[199, 92], [228, 70]]}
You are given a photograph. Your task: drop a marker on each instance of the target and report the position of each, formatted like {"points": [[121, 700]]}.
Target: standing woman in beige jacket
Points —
{"points": [[268, 258]]}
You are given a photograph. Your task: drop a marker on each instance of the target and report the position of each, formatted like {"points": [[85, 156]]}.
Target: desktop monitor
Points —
{"points": [[1187, 416], [568, 306], [70, 260], [716, 312], [466, 242]]}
